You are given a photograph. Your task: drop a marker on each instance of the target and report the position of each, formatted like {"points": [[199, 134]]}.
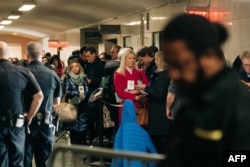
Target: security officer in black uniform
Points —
{"points": [[214, 115], [39, 142], [15, 80]]}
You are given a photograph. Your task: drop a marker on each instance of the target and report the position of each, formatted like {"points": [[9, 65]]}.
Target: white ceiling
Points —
{"points": [[55, 16]]}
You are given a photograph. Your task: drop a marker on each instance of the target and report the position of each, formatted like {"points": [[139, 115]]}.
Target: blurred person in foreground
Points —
{"points": [[214, 116]]}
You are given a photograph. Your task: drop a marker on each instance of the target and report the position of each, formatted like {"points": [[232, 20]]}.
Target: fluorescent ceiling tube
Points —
{"points": [[26, 7], [14, 15], [1, 27], [5, 22]]}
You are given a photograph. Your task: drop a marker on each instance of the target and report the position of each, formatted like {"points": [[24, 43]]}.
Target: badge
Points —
{"points": [[131, 85], [81, 89]]}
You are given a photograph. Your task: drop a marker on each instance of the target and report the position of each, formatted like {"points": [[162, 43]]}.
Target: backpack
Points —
{"points": [[108, 93]]}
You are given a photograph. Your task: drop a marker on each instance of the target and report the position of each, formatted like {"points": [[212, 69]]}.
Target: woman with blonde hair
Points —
{"points": [[159, 124], [75, 88], [127, 77]]}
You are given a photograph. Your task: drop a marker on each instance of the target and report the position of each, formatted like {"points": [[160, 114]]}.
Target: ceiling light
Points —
{"points": [[14, 15], [133, 23], [5, 22], [158, 18], [27, 6], [1, 27]]}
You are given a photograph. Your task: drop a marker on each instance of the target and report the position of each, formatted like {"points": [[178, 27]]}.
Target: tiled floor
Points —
{"points": [[70, 159]]}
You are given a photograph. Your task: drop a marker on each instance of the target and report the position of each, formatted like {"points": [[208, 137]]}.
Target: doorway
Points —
{"points": [[108, 44]]}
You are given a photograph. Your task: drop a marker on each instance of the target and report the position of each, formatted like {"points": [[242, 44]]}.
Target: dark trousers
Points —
{"points": [[77, 137], [160, 143], [94, 122], [12, 146], [38, 143]]}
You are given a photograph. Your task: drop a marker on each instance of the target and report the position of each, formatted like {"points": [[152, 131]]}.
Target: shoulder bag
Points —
{"points": [[107, 121], [66, 111], [142, 114]]}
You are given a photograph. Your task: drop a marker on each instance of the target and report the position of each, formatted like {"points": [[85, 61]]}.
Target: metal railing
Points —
{"points": [[101, 153]]}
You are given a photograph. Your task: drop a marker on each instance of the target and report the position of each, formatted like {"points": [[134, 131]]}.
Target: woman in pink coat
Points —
{"points": [[128, 77]]}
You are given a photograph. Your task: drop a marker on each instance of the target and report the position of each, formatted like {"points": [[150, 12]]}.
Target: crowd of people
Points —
{"points": [[197, 105]]}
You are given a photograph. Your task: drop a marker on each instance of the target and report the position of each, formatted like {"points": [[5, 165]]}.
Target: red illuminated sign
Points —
{"points": [[207, 13], [58, 44], [204, 14]]}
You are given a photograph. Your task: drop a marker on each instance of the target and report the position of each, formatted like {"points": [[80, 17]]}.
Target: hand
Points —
{"points": [[87, 80], [246, 83], [168, 113], [82, 96], [28, 118], [134, 91], [140, 87]]}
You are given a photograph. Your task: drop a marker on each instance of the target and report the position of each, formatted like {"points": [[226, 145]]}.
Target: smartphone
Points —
{"points": [[139, 82]]}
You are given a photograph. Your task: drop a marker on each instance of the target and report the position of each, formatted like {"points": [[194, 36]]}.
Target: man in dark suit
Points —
{"points": [[94, 72]]}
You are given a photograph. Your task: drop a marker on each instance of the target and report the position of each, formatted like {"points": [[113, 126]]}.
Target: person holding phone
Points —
{"points": [[127, 77], [244, 72], [157, 90]]}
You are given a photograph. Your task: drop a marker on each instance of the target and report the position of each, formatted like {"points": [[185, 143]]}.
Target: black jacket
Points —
{"points": [[108, 87], [150, 69], [159, 124], [243, 75], [95, 72], [215, 117]]}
